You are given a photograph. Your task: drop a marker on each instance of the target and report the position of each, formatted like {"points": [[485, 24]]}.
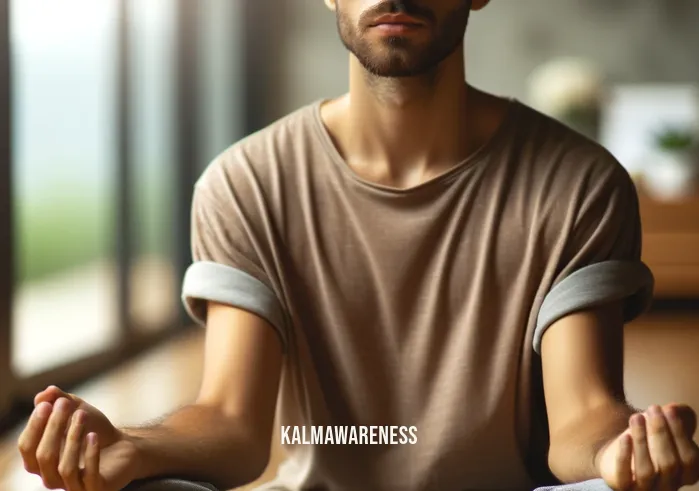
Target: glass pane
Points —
{"points": [[64, 82], [153, 284]]}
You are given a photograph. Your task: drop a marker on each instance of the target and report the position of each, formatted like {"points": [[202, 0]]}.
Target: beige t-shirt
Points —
{"points": [[421, 307]]}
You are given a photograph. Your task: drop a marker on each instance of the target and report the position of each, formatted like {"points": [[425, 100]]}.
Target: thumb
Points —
{"points": [[52, 393]]}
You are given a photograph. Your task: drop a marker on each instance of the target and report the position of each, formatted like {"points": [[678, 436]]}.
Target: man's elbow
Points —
{"points": [[259, 460], [249, 468], [566, 466], [235, 447], [251, 451], [572, 450], [574, 447]]}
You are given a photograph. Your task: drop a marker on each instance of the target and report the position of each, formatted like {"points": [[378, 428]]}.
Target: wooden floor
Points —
{"points": [[662, 363]]}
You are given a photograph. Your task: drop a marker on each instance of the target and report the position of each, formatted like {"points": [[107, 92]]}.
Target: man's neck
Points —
{"points": [[403, 131]]}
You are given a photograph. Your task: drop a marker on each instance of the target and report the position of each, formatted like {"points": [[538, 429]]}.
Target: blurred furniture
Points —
{"points": [[671, 244]]}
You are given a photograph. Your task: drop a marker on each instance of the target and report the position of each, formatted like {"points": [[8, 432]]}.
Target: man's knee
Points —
{"points": [[169, 485]]}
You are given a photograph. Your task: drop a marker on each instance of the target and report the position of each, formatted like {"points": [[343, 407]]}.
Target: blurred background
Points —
{"points": [[110, 109]]}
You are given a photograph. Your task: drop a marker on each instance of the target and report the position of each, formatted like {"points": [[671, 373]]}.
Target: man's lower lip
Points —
{"points": [[397, 28]]}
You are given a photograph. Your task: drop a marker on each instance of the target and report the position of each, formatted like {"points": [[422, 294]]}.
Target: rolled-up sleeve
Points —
{"points": [[226, 267], [601, 262], [208, 281]]}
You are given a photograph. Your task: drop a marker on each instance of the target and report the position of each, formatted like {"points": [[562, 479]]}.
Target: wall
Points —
{"points": [[633, 40], [662, 363]]}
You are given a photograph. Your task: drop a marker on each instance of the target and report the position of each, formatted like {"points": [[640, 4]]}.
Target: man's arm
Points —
{"points": [[594, 431], [582, 362], [224, 438]]}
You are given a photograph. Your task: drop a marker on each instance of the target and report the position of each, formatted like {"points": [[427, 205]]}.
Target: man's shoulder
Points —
{"points": [[556, 149], [282, 135], [264, 153]]}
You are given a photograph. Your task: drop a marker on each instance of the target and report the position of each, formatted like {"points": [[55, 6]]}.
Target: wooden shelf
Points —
{"points": [[671, 244]]}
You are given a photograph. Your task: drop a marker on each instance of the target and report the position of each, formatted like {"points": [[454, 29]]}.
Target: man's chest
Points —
{"points": [[405, 257], [395, 275]]}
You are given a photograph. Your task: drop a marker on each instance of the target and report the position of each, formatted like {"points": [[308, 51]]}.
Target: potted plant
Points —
{"points": [[674, 166], [570, 90]]}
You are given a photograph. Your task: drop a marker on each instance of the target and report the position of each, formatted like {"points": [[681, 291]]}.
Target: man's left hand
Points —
{"points": [[655, 453]]}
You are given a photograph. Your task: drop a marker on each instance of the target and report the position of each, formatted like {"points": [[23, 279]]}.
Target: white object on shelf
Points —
{"points": [[671, 175], [632, 116]]}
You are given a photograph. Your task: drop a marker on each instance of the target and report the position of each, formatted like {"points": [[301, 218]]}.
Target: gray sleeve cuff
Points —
{"points": [[594, 285], [208, 281]]}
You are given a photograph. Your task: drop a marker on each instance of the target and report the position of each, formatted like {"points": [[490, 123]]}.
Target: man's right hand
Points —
{"points": [[223, 438], [73, 446]]}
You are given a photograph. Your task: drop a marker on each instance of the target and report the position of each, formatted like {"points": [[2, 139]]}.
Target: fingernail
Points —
{"points": [[638, 420], [655, 411], [43, 410], [92, 438]]}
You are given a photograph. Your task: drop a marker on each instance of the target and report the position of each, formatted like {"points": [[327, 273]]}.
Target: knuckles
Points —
{"points": [[24, 448], [67, 471], [46, 457]]}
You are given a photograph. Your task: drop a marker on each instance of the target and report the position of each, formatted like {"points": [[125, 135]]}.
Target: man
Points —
{"points": [[414, 253]]}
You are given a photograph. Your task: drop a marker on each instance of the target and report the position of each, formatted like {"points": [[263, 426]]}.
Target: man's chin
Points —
{"points": [[397, 72], [393, 67]]}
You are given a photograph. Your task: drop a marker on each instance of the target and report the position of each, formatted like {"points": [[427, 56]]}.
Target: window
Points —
{"points": [[64, 163]]}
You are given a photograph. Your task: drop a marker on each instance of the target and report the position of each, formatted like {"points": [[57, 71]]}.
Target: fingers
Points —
{"points": [[687, 450], [624, 477], [91, 476], [69, 466], [49, 450], [53, 442], [662, 451], [645, 471], [685, 414], [30, 437], [52, 394]]}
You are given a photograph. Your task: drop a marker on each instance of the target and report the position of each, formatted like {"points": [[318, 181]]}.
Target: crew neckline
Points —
{"points": [[474, 158]]}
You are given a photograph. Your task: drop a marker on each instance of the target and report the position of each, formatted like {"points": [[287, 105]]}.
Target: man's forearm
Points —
{"points": [[574, 450], [199, 443]]}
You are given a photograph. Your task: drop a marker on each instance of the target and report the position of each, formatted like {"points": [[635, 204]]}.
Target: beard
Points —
{"points": [[401, 56]]}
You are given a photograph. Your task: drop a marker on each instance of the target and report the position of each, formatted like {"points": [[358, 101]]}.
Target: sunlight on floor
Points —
{"points": [[74, 314]]}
